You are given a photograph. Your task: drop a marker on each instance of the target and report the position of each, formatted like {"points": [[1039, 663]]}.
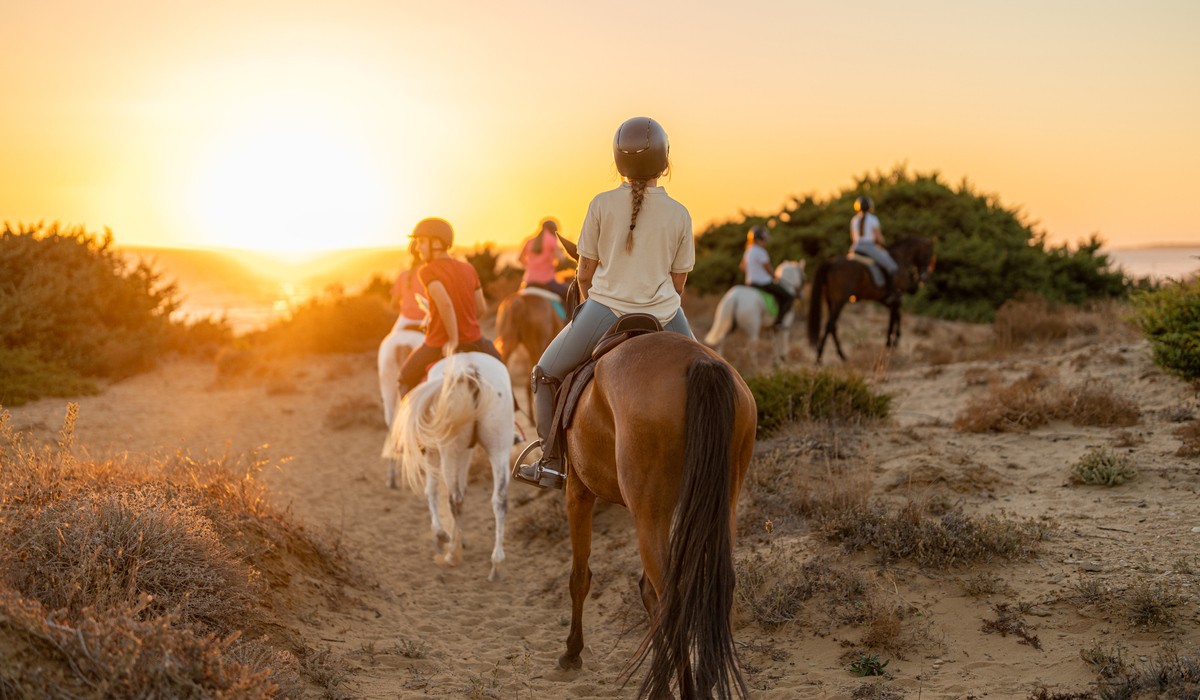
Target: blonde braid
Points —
{"points": [[639, 193]]}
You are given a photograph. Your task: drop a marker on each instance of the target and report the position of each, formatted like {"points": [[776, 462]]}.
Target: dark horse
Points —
{"points": [[842, 280], [666, 429]]}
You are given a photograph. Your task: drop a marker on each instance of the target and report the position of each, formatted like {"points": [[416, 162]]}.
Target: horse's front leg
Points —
{"points": [[455, 464], [893, 335], [581, 503]]}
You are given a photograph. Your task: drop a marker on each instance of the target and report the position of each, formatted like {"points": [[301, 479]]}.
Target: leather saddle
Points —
{"points": [[566, 399]]}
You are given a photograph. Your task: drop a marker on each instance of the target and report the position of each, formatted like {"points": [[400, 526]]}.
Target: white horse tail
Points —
{"points": [[434, 414], [723, 320]]}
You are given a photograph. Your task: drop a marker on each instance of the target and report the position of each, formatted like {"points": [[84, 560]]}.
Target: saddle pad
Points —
{"points": [[770, 301], [872, 267], [550, 296]]}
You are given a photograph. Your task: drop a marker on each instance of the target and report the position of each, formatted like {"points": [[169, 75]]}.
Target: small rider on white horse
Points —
{"points": [[756, 263]]}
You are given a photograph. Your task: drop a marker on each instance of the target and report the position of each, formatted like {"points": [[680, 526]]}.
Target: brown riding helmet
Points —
{"points": [[437, 229], [640, 149]]}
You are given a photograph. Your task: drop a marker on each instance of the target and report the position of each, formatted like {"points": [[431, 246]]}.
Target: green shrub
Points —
{"points": [[1100, 467], [76, 309], [986, 253], [1169, 317], [789, 395], [25, 377]]}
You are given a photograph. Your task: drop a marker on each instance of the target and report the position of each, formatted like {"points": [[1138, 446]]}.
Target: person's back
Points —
{"points": [[756, 262], [866, 238], [404, 297], [540, 255]]}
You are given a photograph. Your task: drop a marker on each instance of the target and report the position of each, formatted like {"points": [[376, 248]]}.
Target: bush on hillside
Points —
{"points": [[1169, 317], [331, 323], [76, 309], [787, 395], [986, 253]]}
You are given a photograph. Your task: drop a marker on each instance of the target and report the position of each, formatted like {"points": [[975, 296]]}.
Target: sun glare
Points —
{"points": [[285, 186]]}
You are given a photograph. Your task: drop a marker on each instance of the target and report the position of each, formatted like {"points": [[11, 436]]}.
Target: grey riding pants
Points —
{"points": [[877, 254]]}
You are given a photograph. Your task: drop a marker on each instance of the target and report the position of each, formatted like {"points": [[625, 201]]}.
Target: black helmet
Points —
{"points": [[759, 233], [640, 149], [437, 229], [863, 204]]}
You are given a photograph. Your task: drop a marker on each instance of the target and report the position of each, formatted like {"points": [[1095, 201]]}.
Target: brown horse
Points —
{"points": [[666, 429], [842, 280], [526, 319]]}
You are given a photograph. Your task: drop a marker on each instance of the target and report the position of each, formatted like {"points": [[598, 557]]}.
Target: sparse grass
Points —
{"points": [[876, 691], [1189, 435], [951, 539], [412, 648], [123, 579], [868, 665], [1028, 318], [1150, 604], [1038, 398], [1102, 467], [1009, 621], [1108, 661], [1171, 677], [772, 590], [1089, 590], [982, 585]]}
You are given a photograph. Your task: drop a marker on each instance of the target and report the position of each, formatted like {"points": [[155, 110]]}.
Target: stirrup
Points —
{"points": [[535, 473]]}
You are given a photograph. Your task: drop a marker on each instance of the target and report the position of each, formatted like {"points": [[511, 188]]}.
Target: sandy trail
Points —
{"points": [[415, 629]]}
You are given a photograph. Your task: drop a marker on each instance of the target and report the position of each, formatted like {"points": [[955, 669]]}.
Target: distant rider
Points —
{"points": [[866, 238], [756, 263], [540, 256]]}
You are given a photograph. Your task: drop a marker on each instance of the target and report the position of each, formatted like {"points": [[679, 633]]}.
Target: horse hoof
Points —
{"points": [[566, 662], [440, 540], [495, 576]]}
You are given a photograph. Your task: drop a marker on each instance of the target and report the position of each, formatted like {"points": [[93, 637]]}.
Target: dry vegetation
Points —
{"points": [[1039, 398], [146, 580]]}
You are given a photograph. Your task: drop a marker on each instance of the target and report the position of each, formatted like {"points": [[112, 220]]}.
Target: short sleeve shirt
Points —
{"points": [[755, 258], [662, 244], [460, 281]]}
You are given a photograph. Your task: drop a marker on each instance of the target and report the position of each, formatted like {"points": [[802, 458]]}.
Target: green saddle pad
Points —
{"points": [[772, 304]]}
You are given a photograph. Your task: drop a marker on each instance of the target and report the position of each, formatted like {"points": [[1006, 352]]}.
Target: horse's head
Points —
{"points": [[571, 248], [790, 275], [916, 253]]}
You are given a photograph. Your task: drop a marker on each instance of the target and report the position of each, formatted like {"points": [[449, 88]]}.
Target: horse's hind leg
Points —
{"points": [[893, 335], [440, 538], [834, 313], [455, 464], [499, 458], [580, 505]]}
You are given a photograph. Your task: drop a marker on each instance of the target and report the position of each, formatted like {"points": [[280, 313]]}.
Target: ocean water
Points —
{"points": [[1157, 263]]}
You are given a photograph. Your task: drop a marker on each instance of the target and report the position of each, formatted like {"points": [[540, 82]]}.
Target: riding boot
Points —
{"points": [[547, 472]]}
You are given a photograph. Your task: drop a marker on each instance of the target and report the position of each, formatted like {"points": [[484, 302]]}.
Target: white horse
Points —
{"points": [[466, 401], [743, 307], [393, 351]]}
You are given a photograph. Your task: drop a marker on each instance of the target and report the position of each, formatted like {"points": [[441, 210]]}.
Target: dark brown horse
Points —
{"points": [[666, 429], [526, 319], [843, 280]]}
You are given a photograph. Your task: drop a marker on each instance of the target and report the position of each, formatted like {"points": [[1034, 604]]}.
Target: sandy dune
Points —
{"points": [[413, 629]]}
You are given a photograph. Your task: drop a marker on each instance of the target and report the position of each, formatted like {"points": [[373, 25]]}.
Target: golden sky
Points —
{"points": [[294, 125]]}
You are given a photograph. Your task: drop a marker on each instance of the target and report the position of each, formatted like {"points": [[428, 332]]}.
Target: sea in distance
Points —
{"points": [[251, 293]]}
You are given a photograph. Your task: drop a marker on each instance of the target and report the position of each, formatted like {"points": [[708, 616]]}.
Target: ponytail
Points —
{"points": [[639, 193], [537, 242]]}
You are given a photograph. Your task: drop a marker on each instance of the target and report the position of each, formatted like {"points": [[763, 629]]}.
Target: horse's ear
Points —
{"points": [[572, 298], [571, 248]]}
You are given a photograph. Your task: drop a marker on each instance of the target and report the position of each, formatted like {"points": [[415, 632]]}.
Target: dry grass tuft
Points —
{"points": [[355, 412], [1170, 677], [1028, 318], [1150, 604], [141, 580], [1010, 621], [1189, 435], [1106, 661], [943, 541], [1038, 398], [1102, 467]]}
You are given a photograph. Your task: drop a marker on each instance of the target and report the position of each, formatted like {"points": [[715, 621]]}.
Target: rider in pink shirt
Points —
{"points": [[540, 256]]}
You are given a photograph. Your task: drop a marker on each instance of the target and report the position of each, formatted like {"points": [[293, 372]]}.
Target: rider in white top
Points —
{"points": [[756, 262], [866, 238], [635, 252]]}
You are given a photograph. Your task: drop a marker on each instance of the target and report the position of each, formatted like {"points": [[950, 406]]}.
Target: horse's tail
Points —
{"points": [[432, 414], [723, 320], [507, 333], [820, 279], [691, 638]]}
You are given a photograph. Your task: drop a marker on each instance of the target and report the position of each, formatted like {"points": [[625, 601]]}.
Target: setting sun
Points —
{"points": [[283, 186]]}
